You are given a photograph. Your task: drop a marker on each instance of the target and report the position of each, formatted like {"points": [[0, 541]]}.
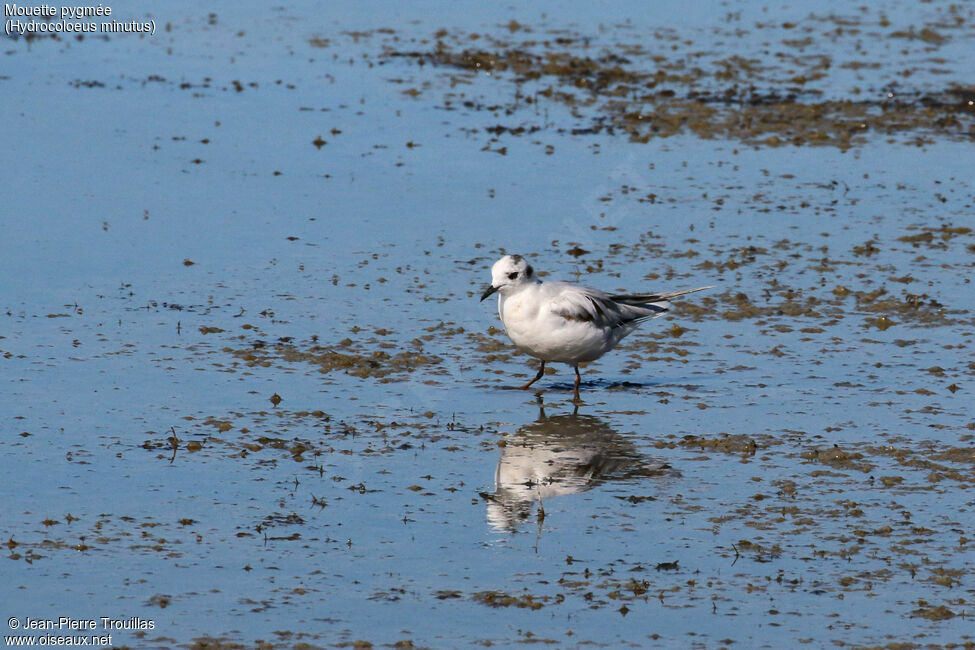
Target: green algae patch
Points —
{"points": [[838, 458], [645, 93], [937, 613], [208, 643], [494, 598], [731, 444], [358, 361]]}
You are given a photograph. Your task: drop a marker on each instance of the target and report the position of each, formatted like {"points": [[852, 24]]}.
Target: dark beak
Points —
{"points": [[488, 292]]}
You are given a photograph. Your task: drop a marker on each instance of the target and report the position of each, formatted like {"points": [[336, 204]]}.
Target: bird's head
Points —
{"points": [[509, 272]]}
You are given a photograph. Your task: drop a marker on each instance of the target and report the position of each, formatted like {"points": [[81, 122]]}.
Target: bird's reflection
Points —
{"points": [[556, 456]]}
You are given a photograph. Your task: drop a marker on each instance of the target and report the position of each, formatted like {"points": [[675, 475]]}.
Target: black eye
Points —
{"points": [[529, 271], [513, 275]]}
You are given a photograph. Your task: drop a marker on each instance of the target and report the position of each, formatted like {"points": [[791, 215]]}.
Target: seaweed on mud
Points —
{"points": [[644, 93]]}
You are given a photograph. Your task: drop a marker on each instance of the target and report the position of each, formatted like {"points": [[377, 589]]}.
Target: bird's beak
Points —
{"points": [[488, 292]]}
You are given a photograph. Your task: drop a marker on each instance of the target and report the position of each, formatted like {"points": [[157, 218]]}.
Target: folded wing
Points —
{"points": [[642, 298], [581, 304]]}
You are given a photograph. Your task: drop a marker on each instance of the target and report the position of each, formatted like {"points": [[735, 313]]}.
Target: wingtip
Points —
{"points": [[675, 294]]}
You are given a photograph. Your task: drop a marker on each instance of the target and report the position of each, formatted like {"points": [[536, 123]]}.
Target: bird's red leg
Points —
{"points": [[541, 371], [578, 379]]}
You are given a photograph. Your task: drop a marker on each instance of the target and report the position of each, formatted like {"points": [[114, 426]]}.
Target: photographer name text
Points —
{"points": [[74, 624]]}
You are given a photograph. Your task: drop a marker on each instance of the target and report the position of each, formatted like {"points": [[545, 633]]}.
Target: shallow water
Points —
{"points": [[249, 392]]}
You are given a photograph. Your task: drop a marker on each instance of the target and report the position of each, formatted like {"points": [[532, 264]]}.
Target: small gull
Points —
{"points": [[563, 322]]}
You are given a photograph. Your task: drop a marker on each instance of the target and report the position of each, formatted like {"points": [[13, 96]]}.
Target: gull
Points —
{"points": [[566, 323]]}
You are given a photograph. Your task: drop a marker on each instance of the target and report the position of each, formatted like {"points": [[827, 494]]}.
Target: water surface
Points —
{"points": [[249, 392]]}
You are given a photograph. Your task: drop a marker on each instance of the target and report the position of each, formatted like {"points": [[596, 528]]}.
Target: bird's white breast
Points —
{"points": [[536, 329]]}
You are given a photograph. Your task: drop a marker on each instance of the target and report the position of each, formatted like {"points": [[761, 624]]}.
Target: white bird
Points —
{"points": [[563, 322]]}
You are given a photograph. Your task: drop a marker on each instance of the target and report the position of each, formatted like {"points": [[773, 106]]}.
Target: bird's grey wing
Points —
{"points": [[645, 298], [581, 304]]}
